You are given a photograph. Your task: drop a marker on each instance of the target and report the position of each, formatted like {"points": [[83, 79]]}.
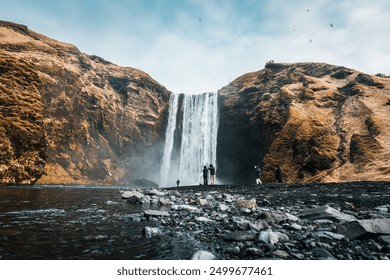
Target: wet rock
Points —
{"points": [[282, 237], [241, 223], [184, 207], [165, 202], [156, 213], [281, 254], [203, 219], [234, 250], [328, 235], [254, 251], [134, 196], [150, 232], [384, 239], [325, 212], [323, 254], [155, 192], [267, 237], [294, 226], [361, 228], [223, 207], [203, 255], [240, 236]]}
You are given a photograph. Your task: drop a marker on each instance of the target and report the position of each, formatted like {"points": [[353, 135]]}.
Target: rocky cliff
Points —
{"points": [[318, 122], [67, 117]]}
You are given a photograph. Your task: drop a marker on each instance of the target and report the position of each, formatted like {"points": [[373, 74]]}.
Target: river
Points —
{"points": [[77, 222]]}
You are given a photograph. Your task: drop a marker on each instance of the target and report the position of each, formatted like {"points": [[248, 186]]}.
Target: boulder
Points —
{"points": [[245, 203], [325, 212], [133, 196], [362, 228]]}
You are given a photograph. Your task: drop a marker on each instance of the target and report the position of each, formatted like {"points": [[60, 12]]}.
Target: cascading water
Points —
{"points": [[191, 138]]}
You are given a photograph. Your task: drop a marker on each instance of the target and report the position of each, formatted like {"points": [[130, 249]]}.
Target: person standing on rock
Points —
{"points": [[278, 174], [212, 174], [177, 182], [258, 175], [205, 175]]}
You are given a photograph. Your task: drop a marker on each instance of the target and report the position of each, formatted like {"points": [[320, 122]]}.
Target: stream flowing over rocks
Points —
{"points": [[347, 221]]}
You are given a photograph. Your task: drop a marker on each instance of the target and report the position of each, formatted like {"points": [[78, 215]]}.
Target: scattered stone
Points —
{"points": [[294, 226], [323, 254], [281, 254], [155, 192], [150, 232], [360, 228], [223, 207], [234, 250], [165, 202], [384, 239], [156, 213], [184, 207], [203, 255], [329, 235], [254, 251], [203, 219], [134, 195], [267, 237], [244, 203], [325, 212], [240, 236]]}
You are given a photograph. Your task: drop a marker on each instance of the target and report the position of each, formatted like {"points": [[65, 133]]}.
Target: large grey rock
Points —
{"points": [[360, 228], [325, 212], [133, 195], [384, 239], [203, 255]]}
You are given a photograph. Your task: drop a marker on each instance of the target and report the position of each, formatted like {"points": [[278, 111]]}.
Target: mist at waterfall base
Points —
{"points": [[190, 139]]}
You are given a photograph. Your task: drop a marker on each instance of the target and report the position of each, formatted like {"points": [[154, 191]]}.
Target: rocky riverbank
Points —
{"points": [[272, 221]]}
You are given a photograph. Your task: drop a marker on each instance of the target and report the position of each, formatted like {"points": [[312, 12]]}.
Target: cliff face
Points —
{"points": [[66, 117], [318, 122]]}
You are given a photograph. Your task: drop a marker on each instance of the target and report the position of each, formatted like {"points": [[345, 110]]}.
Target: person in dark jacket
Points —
{"points": [[177, 182], [212, 174], [278, 174], [205, 175], [258, 175]]}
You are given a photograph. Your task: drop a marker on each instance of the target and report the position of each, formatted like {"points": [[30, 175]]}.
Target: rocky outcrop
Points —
{"points": [[67, 117], [318, 122]]}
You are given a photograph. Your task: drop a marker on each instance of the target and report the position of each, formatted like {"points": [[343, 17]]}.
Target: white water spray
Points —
{"points": [[191, 138]]}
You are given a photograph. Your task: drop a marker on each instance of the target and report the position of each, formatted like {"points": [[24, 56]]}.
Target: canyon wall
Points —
{"points": [[317, 121], [71, 118]]}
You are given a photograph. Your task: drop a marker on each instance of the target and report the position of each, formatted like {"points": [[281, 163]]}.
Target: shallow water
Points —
{"points": [[74, 222]]}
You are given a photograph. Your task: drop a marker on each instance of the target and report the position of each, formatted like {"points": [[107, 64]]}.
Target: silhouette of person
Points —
{"points": [[258, 175], [205, 175], [278, 174], [177, 182], [212, 174]]}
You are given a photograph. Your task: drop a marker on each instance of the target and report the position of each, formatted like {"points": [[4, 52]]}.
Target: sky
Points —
{"points": [[196, 46]]}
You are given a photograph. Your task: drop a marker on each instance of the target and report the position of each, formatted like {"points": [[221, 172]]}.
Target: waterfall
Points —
{"points": [[190, 139]]}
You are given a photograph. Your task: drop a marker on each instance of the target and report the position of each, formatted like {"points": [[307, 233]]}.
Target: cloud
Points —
{"points": [[195, 46]]}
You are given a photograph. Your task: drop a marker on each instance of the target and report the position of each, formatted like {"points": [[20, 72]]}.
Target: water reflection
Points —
{"points": [[71, 222]]}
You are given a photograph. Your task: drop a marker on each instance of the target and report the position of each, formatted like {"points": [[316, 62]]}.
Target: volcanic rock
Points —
{"points": [[363, 228], [325, 212]]}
